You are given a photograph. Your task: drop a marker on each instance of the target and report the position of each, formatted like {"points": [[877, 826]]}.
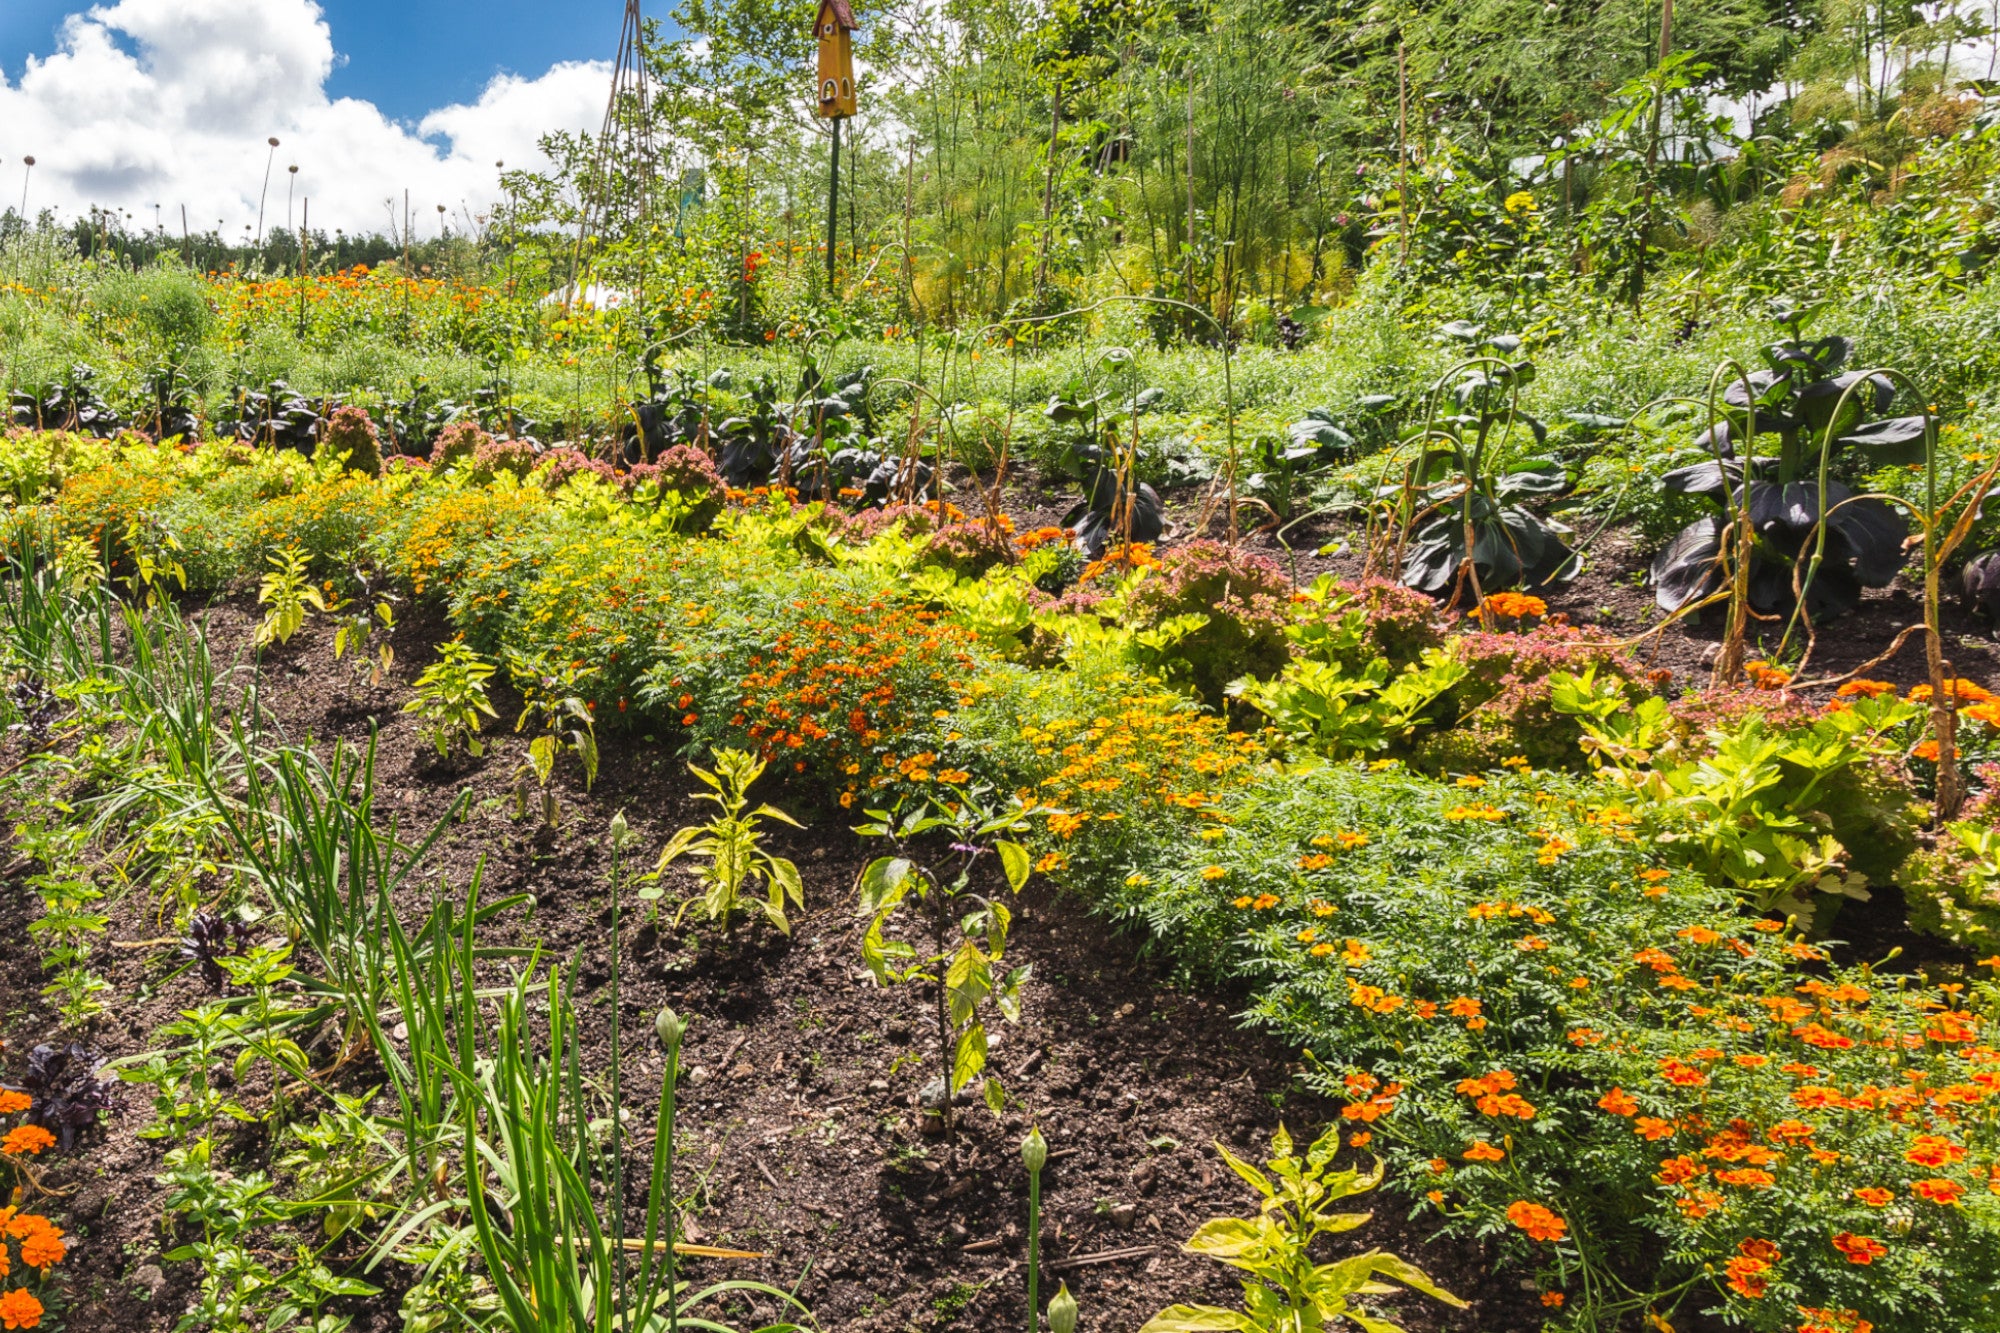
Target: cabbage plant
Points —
{"points": [[1816, 414]]}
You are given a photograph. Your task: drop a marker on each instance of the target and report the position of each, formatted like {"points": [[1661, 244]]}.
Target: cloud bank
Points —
{"points": [[168, 103]]}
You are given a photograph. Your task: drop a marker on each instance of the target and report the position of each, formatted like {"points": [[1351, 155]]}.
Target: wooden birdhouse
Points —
{"points": [[834, 28]]}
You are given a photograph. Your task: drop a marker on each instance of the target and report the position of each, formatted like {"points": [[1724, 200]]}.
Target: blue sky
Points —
{"points": [[407, 58], [141, 104]]}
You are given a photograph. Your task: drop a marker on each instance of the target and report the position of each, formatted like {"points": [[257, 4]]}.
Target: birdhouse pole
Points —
{"points": [[833, 206], [833, 30]]}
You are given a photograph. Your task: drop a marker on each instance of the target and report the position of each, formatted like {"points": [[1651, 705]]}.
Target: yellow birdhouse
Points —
{"points": [[833, 28]]}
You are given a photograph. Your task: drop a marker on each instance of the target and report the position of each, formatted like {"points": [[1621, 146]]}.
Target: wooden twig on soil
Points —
{"points": [[1103, 1257]]}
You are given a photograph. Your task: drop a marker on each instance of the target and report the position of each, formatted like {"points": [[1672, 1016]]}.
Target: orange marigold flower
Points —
{"points": [[1482, 1151], [26, 1140], [1680, 1170], [1763, 1251], [1537, 1221], [1938, 1191], [1507, 1104], [1619, 1102], [43, 1249], [1747, 1177], [1652, 1128], [1872, 689], [1552, 1299], [20, 1309], [1875, 1196], [1699, 1204], [11, 1101], [1749, 1277], [1928, 1150], [1813, 1034], [1859, 1249]]}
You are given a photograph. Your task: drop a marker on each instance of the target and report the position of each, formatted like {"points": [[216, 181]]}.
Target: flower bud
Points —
{"points": [[1034, 1151], [621, 832], [1062, 1311], [669, 1027]]}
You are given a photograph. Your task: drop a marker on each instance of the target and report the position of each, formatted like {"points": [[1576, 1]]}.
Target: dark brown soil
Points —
{"points": [[798, 1117]]}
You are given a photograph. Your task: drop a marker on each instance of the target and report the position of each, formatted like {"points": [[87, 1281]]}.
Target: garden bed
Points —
{"points": [[803, 1138]]}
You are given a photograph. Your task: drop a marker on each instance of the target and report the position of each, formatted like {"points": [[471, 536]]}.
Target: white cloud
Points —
{"points": [[169, 102]]}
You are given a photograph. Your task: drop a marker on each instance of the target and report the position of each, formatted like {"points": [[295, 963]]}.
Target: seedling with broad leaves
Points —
{"points": [[967, 928], [287, 594], [733, 847], [450, 698], [552, 699], [1287, 1292]]}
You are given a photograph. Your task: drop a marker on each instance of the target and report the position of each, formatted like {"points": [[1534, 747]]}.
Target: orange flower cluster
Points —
{"points": [[1035, 537], [1537, 1221], [41, 1247], [107, 501], [439, 543], [420, 308], [1123, 560], [1764, 676], [1514, 606], [844, 687], [1815, 1320], [1956, 690], [1151, 750], [1750, 1267], [1370, 1099], [1493, 1094]]}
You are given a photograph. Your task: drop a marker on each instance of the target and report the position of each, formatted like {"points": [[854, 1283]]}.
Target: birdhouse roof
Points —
{"points": [[841, 13]]}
